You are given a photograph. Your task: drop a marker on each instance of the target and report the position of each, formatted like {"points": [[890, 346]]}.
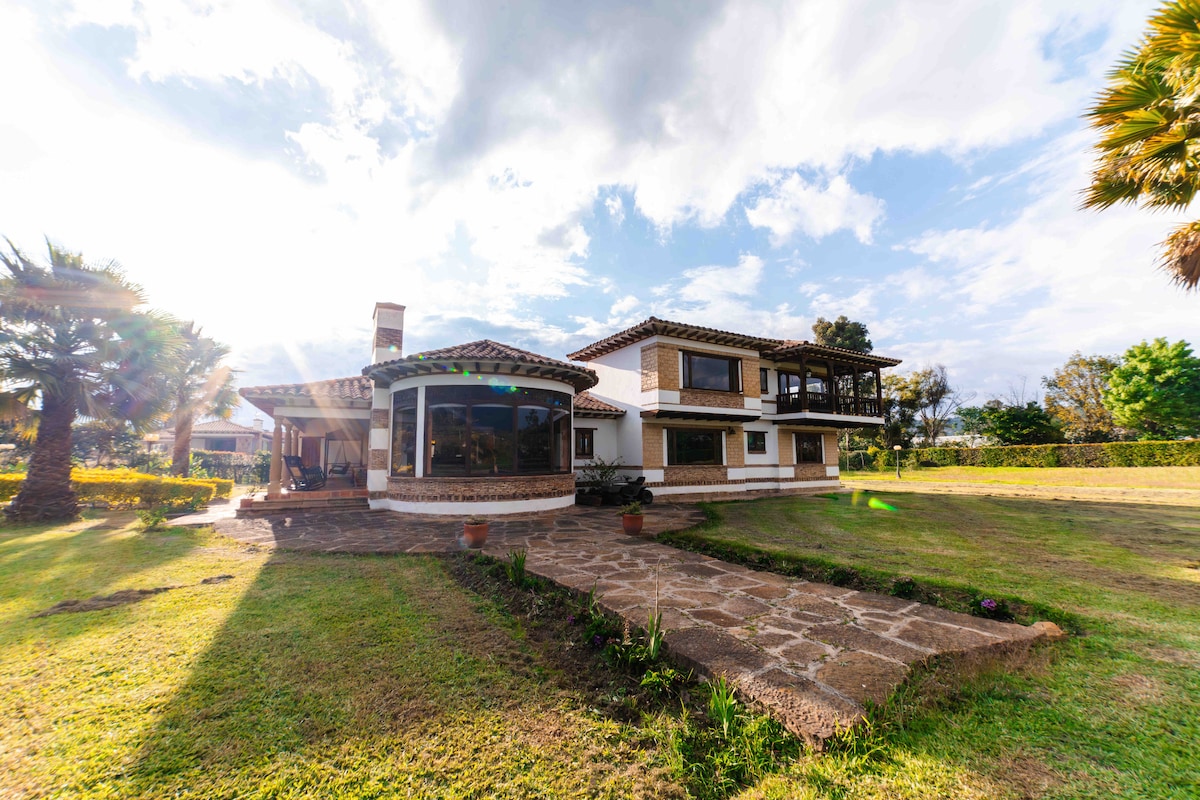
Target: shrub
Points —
{"points": [[1105, 454], [124, 488]]}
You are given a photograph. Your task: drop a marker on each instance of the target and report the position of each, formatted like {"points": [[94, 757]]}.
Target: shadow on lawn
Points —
{"points": [[326, 660], [95, 559]]}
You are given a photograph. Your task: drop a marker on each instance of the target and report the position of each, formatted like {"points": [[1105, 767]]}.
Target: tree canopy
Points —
{"points": [[1155, 390], [842, 332], [1012, 423], [74, 342], [1074, 398], [200, 384], [1147, 119]]}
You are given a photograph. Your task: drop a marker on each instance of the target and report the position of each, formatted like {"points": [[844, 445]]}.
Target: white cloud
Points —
{"points": [[818, 211], [616, 208]]}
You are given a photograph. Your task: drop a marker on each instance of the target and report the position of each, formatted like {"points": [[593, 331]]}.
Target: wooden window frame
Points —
{"points": [[750, 447], [735, 371], [587, 435]]}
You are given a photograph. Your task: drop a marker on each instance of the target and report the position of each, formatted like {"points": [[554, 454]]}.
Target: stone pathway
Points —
{"points": [[810, 653]]}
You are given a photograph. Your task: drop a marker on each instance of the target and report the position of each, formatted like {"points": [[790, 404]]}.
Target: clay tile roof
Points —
{"points": [[484, 351], [222, 426], [588, 406], [355, 388], [664, 327], [794, 348]]}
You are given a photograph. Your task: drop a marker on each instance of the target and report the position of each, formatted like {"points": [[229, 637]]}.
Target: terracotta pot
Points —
{"points": [[632, 523], [474, 536]]}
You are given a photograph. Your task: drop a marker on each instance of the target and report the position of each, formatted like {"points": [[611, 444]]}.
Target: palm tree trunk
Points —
{"points": [[46, 494], [181, 454]]}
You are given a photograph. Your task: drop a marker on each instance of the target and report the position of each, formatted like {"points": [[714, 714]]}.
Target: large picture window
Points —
{"points": [[715, 373], [694, 446], [404, 433], [808, 448], [480, 430]]}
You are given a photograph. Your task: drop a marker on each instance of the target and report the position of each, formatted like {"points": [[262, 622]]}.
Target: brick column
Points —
{"points": [[379, 448], [276, 458]]}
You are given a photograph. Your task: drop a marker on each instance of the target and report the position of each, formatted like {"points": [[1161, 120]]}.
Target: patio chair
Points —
{"points": [[304, 479]]}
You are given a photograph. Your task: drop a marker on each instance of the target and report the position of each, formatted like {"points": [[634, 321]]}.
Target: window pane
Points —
{"points": [[492, 440], [584, 442], [709, 372], [808, 448], [448, 440], [694, 447], [762, 380], [404, 433], [533, 443], [756, 441]]}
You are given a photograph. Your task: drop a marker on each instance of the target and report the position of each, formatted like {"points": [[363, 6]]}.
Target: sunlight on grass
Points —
{"points": [[1110, 477]]}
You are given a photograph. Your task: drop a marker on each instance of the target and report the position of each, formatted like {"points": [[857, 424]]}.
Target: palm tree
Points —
{"points": [[1149, 117], [73, 343], [200, 385]]}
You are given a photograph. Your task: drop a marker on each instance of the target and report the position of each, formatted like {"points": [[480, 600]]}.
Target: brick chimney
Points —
{"points": [[387, 341]]}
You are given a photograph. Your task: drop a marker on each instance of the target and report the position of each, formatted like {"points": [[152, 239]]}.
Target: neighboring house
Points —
{"points": [[487, 428], [217, 435]]}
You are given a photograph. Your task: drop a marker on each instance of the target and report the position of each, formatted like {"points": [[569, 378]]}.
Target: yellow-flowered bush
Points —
{"points": [[124, 488]]}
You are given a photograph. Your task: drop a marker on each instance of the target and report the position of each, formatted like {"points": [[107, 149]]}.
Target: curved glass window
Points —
{"points": [[496, 430], [404, 432]]}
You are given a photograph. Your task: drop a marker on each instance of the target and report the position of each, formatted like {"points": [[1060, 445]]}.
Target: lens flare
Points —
{"points": [[876, 503]]}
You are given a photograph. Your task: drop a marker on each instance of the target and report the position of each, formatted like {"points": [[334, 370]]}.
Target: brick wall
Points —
{"points": [[810, 472], [652, 446], [390, 337], [649, 368], [697, 475], [706, 397], [831, 449], [465, 490], [379, 418], [787, 448], [750, 387], [735, 448], [377, 459]]}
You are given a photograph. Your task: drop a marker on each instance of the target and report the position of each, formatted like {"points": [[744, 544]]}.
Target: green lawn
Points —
{"points": [[1109, 477], [1112, 713], [302, 676], [342, 676]]}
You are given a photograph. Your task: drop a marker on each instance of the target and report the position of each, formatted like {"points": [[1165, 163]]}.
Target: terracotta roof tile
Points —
{"points": [[665, 327], [585, 403], [482, 350], [355, 388]]}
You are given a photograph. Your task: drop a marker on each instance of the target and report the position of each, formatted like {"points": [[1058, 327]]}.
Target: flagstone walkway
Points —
{"points": [[810, 653]]}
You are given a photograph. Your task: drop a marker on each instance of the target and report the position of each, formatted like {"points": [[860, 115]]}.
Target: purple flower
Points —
{"points": [[989, 604], [597, 640], [571, 619]]}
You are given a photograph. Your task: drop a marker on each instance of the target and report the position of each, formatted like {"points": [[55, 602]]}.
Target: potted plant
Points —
{"points": [[631, 518], [475, 531]]}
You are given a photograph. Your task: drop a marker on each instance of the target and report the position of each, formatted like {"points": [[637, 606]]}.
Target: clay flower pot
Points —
{"points": [[632, 523], [475, 533]]}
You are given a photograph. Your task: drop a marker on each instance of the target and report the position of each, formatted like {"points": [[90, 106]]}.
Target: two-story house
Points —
{"points": [[487, 428], [709, 411]]}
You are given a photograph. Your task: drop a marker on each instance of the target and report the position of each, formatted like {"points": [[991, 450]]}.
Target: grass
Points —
{"points": [[1106, 477], [312, 675], [301, 676], [1112, 713]]}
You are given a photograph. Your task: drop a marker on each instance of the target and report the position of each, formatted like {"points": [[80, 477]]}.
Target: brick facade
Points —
{"points": [[831, 449], [470, 490], [390, 337], [735, 448], [697, 475], [810, 472], [652, 447], [649, 368], [379, 418], [377, 459], [787, 448], [711, 399]]}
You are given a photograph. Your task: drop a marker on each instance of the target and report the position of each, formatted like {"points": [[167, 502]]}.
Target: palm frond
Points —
{"points": [[1181, 255]]}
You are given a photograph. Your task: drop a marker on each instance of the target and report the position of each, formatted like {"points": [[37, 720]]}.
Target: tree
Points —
{"points": [[1155, 391], [200, 385], [1019, 424], [934, 401], [1074, 398], [1147, 117], [842, 333], [73, 343]]}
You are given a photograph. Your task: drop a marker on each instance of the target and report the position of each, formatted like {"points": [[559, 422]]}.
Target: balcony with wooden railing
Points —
{"points": [[827, 403]]}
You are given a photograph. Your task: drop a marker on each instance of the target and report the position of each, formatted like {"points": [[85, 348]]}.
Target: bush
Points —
{"points": [[1106, 454], [124, 488]]}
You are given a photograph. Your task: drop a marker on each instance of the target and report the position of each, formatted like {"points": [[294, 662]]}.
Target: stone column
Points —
{"points": [[276, 458]]}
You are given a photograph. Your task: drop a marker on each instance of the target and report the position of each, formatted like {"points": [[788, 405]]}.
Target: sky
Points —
{"points": [[547, 173]]}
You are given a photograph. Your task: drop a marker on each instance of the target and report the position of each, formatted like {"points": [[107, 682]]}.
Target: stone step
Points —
{"points": [[302, 503]]}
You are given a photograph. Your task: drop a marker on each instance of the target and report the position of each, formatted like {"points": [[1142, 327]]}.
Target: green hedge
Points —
{"points": [[123, 488], [1106, 454]]}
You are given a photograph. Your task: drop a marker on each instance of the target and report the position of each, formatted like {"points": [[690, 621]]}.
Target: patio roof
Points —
{"points": [[792, 350], [587, 406], [354, 392]]}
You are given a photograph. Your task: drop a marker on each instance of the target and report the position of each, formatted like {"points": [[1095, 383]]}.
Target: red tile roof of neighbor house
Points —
{"points": [[216, 426], [355, 388], [775, 349], [472, 356]]}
